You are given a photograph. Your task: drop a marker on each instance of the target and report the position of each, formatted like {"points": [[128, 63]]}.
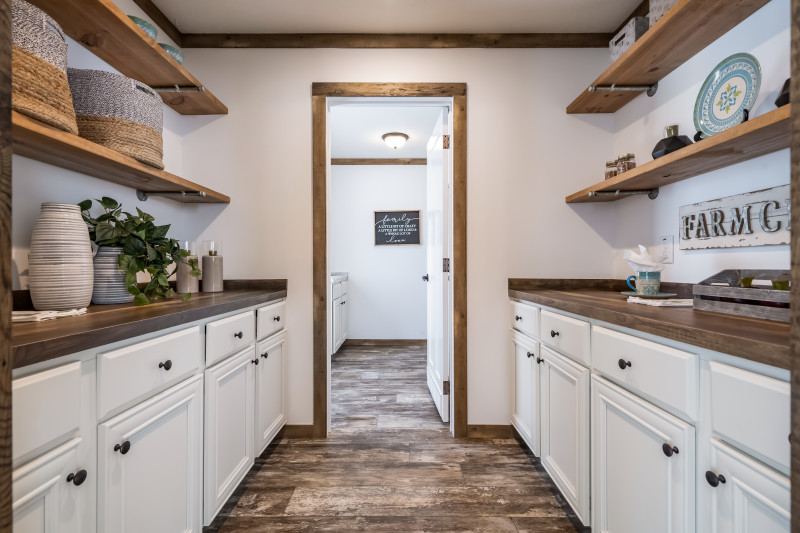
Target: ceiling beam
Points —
{"points": [[161, 20], [395, 40], [378, 161], [640, 11]]}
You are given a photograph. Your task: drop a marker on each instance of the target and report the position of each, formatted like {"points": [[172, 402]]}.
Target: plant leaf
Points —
{"points": [[141, 299], [108, 203], [85, 205]]}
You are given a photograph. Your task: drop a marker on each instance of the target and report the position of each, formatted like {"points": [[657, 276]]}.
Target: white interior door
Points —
{"points": [[437, 243]]}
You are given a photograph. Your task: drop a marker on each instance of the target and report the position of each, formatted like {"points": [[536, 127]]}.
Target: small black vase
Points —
{"points": [[783, 98], [670, 144]]}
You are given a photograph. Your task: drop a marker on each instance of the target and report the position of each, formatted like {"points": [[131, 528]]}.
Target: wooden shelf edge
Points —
{"points": [[686, 29], [106, 31], [772, 129], [50, 145]]}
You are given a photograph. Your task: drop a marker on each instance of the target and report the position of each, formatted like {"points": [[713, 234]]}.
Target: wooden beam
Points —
{"points": [[379, 161], [640, 11], [389, 89], [161, 20], [5, 267], [319, 136], [459, 267], [396, 40], [795, 258]]}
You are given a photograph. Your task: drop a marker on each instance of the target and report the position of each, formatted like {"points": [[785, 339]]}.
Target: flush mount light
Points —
{"points": [[395, 139]]}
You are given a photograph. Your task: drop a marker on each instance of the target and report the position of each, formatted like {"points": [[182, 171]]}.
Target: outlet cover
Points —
{"points": [[667, 247]]}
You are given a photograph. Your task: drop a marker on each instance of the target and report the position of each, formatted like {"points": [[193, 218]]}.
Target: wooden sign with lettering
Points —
{"points": [[397, 227], [757, 218]]}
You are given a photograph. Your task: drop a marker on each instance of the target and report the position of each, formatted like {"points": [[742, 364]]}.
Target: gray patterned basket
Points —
{"points": [[118, 112], [39, 63]]}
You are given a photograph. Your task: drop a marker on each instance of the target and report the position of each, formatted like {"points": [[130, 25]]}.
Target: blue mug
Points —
{"points": [[648, 283]]}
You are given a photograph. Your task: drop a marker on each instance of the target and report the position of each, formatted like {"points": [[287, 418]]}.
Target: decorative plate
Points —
{"points": [[148, 28], [729, 89], [656, 295], [174, 52]]}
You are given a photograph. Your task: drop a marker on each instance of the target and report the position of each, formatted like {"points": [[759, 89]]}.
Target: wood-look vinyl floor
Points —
{"points": [[390, 465]]}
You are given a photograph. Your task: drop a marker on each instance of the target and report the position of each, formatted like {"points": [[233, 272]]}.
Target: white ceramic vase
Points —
{"points": [[60, 260], [109, 279]]}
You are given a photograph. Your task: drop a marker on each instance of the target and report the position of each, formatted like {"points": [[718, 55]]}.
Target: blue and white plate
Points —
{"points": [[731, 88]]}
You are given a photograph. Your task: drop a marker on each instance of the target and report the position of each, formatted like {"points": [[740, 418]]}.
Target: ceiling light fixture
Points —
{"points": [[395, 139]]}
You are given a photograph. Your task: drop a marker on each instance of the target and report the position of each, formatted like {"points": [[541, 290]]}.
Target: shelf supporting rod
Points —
{"points": [[649, 89], [651, 193], [179, 89], [144, 195]]}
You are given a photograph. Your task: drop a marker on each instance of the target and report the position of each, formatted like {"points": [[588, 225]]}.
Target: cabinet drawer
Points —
{"points": [[338, 290], [142, 369], [271, 319], [46, 409], [752, 412], [229, 335], [525, 318], [568, 335], [662, 374]]}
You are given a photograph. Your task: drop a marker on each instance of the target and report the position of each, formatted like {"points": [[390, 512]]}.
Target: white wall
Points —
{"points": [[524, 156], [640, 125], [387, 297]]}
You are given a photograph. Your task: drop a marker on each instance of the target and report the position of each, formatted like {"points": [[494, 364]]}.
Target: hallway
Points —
{"points": [[390, 464]]}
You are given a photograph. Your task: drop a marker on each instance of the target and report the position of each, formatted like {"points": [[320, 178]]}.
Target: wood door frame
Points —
{"points": [[795, 258], [5, 267], [320, 92]]}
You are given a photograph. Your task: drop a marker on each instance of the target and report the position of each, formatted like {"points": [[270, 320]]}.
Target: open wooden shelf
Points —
{"points": [[762, 135], [107, 31], [44, 143], [688, 27]]}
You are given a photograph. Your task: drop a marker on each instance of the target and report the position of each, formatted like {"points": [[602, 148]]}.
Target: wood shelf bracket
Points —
{"points": [[651, 193], [144, 195], [651, 90]]}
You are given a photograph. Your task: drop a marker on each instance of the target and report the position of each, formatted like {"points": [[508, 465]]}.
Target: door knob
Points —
{"points": [[714, 479], [623, 363], [265, 355], [554, 333], [239, 334], [668, 449], [166, 365], [123, 448], [425, 278], [77, 478]]}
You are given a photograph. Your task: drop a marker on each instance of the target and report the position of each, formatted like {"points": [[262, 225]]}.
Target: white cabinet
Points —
{"points": [[228, 427], [340, 312], [269, 409], [48, 492], [565, 428], [525, 417], [742, 495], [149, 462], [643, 465]]}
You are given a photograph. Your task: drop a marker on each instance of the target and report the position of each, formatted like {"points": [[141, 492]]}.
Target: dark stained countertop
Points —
{"points": [[34, 342], [763, 341]]}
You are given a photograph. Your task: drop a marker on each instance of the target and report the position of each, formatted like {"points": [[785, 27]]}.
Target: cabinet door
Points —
{"points": [[748, 497], [150, 464], [643, 465], [44, 501], [229, 428], [345, 319], [565, 428], [337, 324], [526, 392], [270, 415]]}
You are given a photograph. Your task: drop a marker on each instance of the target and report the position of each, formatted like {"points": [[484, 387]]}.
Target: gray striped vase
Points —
{"points": [[109, 279], [60, 259]]}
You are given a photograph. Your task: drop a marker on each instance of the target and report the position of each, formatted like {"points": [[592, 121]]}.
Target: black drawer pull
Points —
{"points": [[123, 448], [668, 449], [554, 333], [530, 355], [240, 334], [254, 361], [166, 365], [277, 318], [517, 318], [539, 360], [77, 478], [714, 479], [265, 355], [623, 363]]}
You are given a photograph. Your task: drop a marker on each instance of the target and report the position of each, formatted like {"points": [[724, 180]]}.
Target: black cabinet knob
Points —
{"points": [[123, 448], [426, 278], [554, 333], [265, 355], [530, 355], [714, 479], [539, 360], [623, 363], [254, 361], [277, 318], [668, 449], [166, 365], [240, 334], [517, 318], [77, 478]]}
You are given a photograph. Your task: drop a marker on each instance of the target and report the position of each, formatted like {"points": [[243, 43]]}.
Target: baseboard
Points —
{"points": [[484, 431], [385, 342], [297, 431]]}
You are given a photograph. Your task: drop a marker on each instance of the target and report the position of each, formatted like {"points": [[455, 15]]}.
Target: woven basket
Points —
{"points": [[39, 65], [118, 113]]}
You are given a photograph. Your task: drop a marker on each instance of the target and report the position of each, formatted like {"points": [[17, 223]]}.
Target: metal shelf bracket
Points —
{"points": [[651, 193], [651, 90], [144, 195], [179, 89]]}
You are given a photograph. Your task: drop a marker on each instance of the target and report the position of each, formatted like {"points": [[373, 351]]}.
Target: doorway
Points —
{"points": [[323, 95]]}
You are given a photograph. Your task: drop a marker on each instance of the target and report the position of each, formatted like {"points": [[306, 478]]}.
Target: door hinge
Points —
{"points": [[446, 388], [446, 142], [446, 264]]}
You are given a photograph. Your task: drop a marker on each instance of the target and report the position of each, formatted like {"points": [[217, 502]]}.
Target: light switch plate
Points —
{"points": [[667, 248]]}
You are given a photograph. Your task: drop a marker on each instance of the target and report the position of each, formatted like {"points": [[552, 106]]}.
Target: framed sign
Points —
{"points": [[758, 218], [397, 228]]}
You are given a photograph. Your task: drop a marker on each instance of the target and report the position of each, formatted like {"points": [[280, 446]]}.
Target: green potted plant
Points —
{"points": [[131, 244]]}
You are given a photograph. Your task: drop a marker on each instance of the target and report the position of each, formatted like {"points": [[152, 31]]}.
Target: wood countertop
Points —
{"points": [[34, 342], [763, 341]]}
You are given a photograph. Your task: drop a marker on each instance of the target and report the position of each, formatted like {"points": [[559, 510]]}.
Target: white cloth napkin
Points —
{"points": [[39, 316], [674, 302]]}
